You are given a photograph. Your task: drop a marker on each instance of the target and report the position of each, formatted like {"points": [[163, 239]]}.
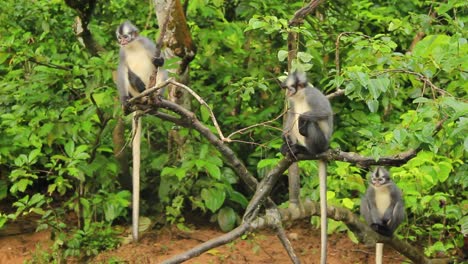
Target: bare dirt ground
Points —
{"points": [[256, 248]]}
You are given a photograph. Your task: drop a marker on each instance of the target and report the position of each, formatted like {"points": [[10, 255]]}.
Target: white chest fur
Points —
{"points": [[382, 199], [300, 106], [139, 61]]}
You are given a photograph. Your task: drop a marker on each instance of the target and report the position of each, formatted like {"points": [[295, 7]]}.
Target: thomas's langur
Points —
{"points": [[139, 69], [382, 206], [308, 129], [138, 65]]}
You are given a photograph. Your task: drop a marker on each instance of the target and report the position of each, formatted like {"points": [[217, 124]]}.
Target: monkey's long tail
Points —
{"points": [[322, 169], [136, 142], [378, 253]]}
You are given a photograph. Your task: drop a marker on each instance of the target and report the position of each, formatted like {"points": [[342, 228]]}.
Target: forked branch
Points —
{"points": [[261, 199]]}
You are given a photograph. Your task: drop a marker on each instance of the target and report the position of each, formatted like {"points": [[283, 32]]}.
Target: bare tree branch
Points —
{"points": [[306, 10], [85, 9]]}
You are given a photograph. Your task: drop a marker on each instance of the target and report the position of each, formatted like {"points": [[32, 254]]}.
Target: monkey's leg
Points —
{"points": [[322, 169], [136, 82], [309, 127], [136, 127]]}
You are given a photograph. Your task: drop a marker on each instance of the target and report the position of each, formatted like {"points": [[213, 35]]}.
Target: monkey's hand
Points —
{"points": [[125, 105], [158, 61], [285, 146]]}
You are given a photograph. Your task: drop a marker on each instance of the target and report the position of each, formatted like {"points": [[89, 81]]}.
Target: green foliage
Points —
{"points": [[202, 179], [58, 108], [90, 241]]}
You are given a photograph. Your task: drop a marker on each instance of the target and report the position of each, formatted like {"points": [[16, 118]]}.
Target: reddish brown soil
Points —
{"points": [[16, 249], [257, 248]]}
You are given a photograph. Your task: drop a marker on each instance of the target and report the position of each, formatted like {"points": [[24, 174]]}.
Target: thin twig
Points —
{"points": [[201, 101], [303, 12], [420, 76], [151, 90], [242, 130]]}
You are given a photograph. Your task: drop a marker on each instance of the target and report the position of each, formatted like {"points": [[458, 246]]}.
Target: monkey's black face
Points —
{"points": [[290, 90], [295, 82], [380, 177], [124, 39]]}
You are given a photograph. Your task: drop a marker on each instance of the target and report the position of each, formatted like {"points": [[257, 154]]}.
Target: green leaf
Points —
{"points": [[70, 148], [352, 236], [205, 113], [377, 86], [348, 203], [421, 100], [304, 57], [282, 55], [239, 198], [443, 170], [227, 219], [213, 170], [33, 156], [144, 224], [213, 198], [51, 188], [373, 105], [21, 185], [21, 160], [229, 175], [37, 198]]}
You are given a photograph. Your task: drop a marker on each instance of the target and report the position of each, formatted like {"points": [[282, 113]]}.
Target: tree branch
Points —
{"points": [[250, 220], [303, 12], [85, 9]]}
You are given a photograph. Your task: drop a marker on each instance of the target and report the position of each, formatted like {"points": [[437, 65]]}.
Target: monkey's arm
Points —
{"points": [[149, 45], [309, 119], [395, 198], [395, 214], [122, 82], [290, 144], [287, 142], [373, 215]]}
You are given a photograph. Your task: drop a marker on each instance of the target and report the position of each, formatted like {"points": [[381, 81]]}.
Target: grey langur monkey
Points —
{"points": [[382, 206], [138, 65], [309, 122], [138, 70], [308, 129]]}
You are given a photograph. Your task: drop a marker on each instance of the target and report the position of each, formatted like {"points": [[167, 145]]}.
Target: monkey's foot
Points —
{"points": [[382, 229]]}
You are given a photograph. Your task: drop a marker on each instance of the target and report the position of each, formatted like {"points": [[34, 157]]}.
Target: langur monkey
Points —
{"points": [[139, 69], [308, 129], [382, 206], [139, 62]]}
